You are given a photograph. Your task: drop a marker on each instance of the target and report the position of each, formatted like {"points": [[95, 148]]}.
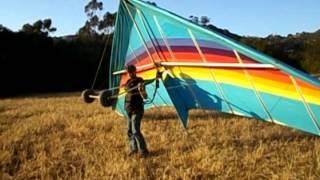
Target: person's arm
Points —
{"points": [[126, 86], [142, 90]]}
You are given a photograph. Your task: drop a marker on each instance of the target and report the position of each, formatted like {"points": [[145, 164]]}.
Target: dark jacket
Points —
{"points": [[133, 99]]}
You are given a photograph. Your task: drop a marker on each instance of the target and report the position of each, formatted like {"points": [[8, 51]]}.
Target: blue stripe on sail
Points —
{"points": [[190, 94], [316, 111]]}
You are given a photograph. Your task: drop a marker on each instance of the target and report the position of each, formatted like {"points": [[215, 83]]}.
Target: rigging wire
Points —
{"points": [[101, 60]]}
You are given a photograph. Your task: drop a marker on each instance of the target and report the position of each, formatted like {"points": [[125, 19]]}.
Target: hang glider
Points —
{"points": [[202, 69]]}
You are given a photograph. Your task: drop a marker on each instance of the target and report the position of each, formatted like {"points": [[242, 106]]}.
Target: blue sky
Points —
{"points": [[245, 17]]}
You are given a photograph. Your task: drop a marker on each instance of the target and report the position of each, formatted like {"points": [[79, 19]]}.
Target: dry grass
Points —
{"points": [[61, 137]]}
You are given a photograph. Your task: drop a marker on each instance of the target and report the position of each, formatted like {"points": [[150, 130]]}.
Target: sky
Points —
{"points": [[244, 17]]}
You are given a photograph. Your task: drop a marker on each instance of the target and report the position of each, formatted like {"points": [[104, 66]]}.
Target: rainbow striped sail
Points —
{"points": [[202, 69]]}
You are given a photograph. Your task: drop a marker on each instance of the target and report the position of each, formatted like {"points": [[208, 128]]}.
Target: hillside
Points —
{"points": [[33, 63], [301, 50], [58, 136]]}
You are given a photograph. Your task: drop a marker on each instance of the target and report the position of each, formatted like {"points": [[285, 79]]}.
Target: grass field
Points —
{"points": [[61, 137]]}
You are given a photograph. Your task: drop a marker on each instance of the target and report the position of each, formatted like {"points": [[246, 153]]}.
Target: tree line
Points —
{"points": [[33, 62]]}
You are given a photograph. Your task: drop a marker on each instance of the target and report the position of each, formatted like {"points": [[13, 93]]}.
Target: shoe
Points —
{"points": [[144, 153]]}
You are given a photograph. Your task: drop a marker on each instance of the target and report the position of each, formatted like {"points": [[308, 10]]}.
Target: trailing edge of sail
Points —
{"points": [[217, 76]]}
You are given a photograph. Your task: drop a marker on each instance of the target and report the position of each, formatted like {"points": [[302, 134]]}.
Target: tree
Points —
{"points": [[4, 29], [92, 24], [47, 26], [27, 28], [204, 20], [194, 19], [92, 7], [42, 27], [37, 26], [107, 23], [152, 3], [94, 21]]}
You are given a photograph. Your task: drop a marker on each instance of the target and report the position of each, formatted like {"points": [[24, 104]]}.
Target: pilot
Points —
{"points": [[134, 106]]}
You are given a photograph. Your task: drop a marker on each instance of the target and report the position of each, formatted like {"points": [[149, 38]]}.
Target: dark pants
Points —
{"points": [[136, 140]]}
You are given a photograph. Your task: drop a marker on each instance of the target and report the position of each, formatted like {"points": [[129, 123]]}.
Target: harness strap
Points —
{"points": [[158, 77]]}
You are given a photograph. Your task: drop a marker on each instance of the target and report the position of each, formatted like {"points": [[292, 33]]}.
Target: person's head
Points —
{"points": [[132, 70]]}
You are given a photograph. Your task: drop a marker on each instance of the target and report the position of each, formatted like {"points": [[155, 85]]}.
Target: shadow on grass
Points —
{"points": [[285, 134], [160, 116], [290, 136], [170, 114], [157, 152], [2, 109]]}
